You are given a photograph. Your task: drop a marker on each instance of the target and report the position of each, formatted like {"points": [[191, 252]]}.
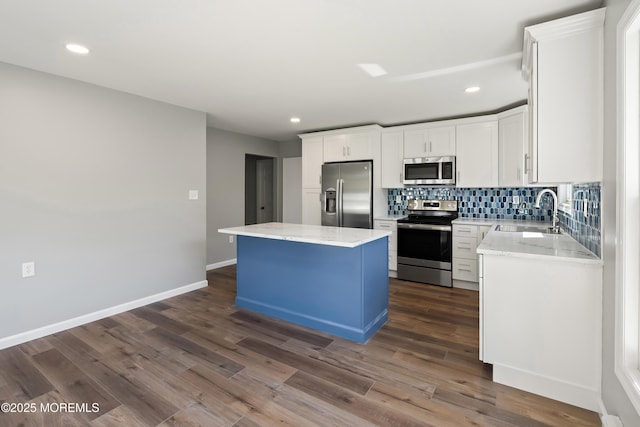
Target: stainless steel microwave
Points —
{"points": [[430, 171]]}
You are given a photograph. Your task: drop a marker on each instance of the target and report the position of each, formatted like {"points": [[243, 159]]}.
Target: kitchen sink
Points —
{"points": [[527, 229]]}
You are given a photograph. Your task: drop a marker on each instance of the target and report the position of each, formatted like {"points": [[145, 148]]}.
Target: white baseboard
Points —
{"points": [[221, 264], [553, 388], [97, 315], [463, 284], [611, 421], [393, 273], [608, 420]]}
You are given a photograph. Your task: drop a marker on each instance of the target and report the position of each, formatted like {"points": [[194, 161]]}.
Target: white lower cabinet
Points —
{"points": [[392, 226], [466, 239], [465, 269], [540, 326]]}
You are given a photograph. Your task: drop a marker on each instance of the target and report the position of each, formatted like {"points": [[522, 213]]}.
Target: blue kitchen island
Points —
{"points": [[332, 279]]}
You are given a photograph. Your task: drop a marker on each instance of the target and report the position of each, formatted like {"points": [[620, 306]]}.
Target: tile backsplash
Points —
{"points": [[491, 203], [583, 220], [498, 203]]}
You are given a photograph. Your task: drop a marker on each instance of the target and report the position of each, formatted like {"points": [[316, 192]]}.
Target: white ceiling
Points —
{"points": [[252, 64]]}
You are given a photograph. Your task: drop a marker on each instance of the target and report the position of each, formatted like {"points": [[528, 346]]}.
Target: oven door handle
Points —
{"points": [[430, 227]]}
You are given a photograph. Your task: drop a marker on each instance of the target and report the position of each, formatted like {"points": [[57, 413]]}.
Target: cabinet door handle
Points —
{"points": [[425, 146], [348, 150], [464, 269], [526, 163], [430, 147]]}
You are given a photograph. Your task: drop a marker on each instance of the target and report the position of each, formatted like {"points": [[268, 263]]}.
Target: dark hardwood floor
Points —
{"points": [[195, 360]]}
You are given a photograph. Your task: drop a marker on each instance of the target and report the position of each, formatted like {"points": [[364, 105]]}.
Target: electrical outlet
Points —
{"points": [[193, 194], [516, 200], [28, 269], [231, 238]]}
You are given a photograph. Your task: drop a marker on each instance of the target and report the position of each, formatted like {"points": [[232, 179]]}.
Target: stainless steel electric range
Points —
{"points": [[425, 240]]}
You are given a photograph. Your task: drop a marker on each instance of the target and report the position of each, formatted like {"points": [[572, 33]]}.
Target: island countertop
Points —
{"points": [[316, 234]]}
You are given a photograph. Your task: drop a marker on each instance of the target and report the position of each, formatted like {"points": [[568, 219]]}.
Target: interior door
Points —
{"points": [[264, 190]]}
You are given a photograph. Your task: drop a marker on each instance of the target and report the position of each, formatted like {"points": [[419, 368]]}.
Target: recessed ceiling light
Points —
{"points": [[472, 89], [77, 48], [294, 119], [374, 70]]}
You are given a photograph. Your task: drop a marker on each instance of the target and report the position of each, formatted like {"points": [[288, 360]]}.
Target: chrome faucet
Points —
{"points": [[554, 226]]}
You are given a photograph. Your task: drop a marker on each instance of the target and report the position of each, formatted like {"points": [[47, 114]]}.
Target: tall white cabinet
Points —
{"points": [[358, 143], [563, 63], [312, 159]]}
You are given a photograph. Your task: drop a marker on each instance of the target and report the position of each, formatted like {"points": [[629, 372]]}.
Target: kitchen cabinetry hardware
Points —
{"points": [[425, 227]]}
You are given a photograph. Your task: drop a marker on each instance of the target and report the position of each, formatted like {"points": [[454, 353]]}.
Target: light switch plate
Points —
{"points": [[193, 194], [516, 200], [28, 269]]}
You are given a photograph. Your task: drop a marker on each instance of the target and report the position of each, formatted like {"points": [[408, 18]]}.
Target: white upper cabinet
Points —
{"points": [[391, 150], [512, 138], [563, 62], [312, 162], [348, 146], [431, 142], [477, 154]]}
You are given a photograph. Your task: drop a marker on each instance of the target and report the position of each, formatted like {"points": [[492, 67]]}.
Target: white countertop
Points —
{"points": [[317, 234], [535, 245], [475, 221], [389, 217]]}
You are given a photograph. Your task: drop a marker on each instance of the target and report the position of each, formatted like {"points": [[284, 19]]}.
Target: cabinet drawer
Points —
{"points": [[465, 269], [465, 247], [391, 226], [465, 230]]}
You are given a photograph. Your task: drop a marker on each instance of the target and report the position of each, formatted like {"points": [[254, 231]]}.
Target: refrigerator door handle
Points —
{"points": [[339, 202], [323, 200]]}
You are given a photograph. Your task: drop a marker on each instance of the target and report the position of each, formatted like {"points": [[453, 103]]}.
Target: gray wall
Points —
{"points": [[225, 186], [614, 397], [93, 188], [291, 149]]}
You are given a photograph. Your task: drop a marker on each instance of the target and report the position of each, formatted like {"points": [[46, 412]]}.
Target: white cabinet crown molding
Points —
{"points": [[357, 129], [563, 27], [512, 111]]}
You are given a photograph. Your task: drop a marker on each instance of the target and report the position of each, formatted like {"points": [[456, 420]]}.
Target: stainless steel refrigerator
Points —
{"points": [[347, 194]]}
